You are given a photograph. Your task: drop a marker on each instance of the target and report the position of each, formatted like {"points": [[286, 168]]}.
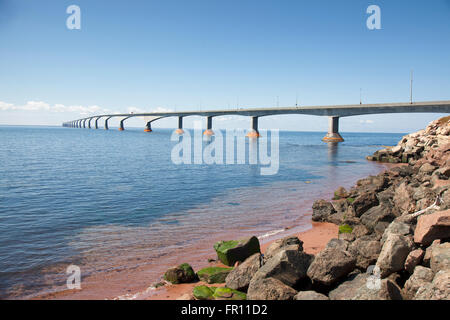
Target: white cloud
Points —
{"points": [[43, 106]]}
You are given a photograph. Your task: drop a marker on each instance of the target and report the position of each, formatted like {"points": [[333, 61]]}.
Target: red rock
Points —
{"points": [[433, 226], [414, 258]]}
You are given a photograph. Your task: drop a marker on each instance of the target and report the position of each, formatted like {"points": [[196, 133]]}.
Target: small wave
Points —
{"points": [[271, 233]]}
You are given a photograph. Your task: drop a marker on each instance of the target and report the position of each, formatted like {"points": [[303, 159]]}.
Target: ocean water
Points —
{"points": [[110, 201]]}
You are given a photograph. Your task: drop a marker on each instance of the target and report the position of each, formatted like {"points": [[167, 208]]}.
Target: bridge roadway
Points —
{"points": [[334, 112]]}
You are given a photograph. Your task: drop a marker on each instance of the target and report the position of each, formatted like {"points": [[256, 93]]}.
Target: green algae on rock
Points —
{"points": [[229, 294], [229, 252], [180, 274], [214, 274], [203, 292]]}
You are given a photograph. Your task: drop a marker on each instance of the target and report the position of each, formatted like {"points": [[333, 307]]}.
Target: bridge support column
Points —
{"points": [[84, 124], [180, 126], [121, 128], [96, 123], [78, 124], [333, 131], [148, 127], [89, 123], [106, 123], [254, 133], [208, 131]]}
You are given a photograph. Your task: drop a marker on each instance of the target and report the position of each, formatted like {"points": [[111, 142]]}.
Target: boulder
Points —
{"points": [[287, 265], [239, 278], [388, 290], [337, 244], [340, 205], [438, 289], [340, 193], [366, 251], [427, 168], [360, 230], [228, 294], [310, 295], [331, 265], [364, 202], [180, 274], [440, 257], [347, 289], [203, 292], [413, 259], [213, 274], [275, 246], [420, 277], [229, 252], [393, 254], [396, 227], [269, 289], [403, 199], [375, 215], [322, 209], [432, 226], [427, 256]]}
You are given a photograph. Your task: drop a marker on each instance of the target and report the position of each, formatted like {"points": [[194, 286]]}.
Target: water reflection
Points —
{"points": [[333, 152]]}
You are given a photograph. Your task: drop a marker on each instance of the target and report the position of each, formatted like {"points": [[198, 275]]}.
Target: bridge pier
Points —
{"points": [[121, 128], [96, 123], [79, 124], [84, 123], [148, 127], [89, 123], [106, 123], [254, 133], [180, 126], [208, 131], [333, 131]]}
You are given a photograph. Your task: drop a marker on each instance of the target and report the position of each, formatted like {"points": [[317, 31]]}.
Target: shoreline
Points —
{"points": [[314, 240], [118, 290]]}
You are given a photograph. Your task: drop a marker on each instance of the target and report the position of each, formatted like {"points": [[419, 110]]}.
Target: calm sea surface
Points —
{"points": [[108, 199]]}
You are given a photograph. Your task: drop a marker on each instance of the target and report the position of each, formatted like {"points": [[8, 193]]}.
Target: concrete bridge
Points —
{"points": [[333, 112]]}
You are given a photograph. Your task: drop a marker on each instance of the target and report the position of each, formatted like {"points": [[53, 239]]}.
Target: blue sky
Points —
{"points": [[184, 55]]}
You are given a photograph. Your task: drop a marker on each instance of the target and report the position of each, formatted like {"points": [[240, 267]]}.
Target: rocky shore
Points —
{"points": [[392, 243]]}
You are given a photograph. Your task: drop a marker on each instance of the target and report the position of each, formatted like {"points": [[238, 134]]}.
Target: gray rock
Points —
{"points": [[360, 230], [275, 246], [337, 244], [364, 202], [347, 289], [439, 289], [440, 257], [331, 265], [393, 254], [269, 289], [239, 278], [387, 290], [366, 250], [287, 265], [427, 168], [396, 227], [374, 215], [419, 278], [310, 295], [322, 209]]}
